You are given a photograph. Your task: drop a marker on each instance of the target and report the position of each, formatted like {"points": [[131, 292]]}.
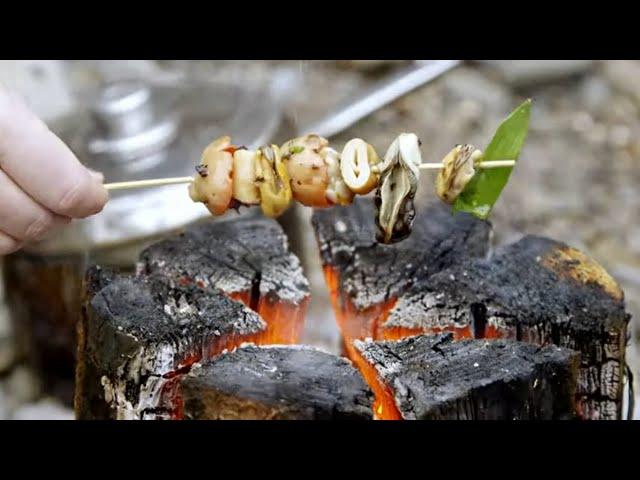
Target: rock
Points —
{"points": [[596, 93], [45, 409], [474, 86], [368, 65], [22, 385], [623, 75], [522, 73]]}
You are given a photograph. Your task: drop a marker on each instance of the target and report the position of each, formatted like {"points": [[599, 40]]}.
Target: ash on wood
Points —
{"points": [[536, 290], [140, 334], [365, 278], [276, 383], [435, 378], [248, 259]]}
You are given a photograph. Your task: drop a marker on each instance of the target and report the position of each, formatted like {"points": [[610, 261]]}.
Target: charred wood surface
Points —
{"points": [[248, 259], [372, 273], [365, 278], [276, 383], [434, 377], [536, 290], [140, 334]]}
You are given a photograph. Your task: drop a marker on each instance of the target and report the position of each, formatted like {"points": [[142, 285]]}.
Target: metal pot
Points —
{"points": [[129, 129]]}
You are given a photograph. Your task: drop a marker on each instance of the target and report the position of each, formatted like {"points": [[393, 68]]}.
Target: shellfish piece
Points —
{"points": [[397, 188], [213, 184], [484, 189], [356, 162], [338, 192], [245, 189], [459, 167], [273, 181], [308, 170], [365, 278]]}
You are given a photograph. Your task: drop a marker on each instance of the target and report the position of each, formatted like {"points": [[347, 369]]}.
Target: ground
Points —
{"points": [[576, 181]]}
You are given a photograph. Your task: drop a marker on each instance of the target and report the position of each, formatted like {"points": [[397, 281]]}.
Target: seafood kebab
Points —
{"points": [[308, 170]]}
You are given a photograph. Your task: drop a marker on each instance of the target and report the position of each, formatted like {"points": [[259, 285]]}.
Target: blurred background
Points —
{"points": [[576, 181]]}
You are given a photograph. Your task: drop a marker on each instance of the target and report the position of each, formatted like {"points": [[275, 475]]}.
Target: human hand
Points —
{"points": [[42, 184]]}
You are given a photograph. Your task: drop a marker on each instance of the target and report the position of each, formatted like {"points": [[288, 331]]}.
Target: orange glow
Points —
{"points": [[354, 323], [284, 326], [398, 333], [384, 405], [171, 394], [360, 324], [285, 320], [369, 323]]}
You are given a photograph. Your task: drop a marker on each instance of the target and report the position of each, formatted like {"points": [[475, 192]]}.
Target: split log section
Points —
{"points": [[536, 290], [246, 258], [434, 378], [365, 278], [295, 382], [193, 297]]}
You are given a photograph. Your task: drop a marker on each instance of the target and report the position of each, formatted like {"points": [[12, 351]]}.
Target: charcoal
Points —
{"points": [[535, 290], [276, 383], [139, 335], [366, 278], [246, 258], [436, 378]]}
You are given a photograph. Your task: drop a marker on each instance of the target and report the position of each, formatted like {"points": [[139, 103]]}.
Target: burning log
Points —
{"points": [[366, 278], [139, 335], [434, 378], [276, 383], [246, 258], [42, 296], [536, 290]]}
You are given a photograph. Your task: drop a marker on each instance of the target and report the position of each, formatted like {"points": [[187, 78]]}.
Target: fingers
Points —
{"points": [[43, 166], [21, 217], [8, 244]]}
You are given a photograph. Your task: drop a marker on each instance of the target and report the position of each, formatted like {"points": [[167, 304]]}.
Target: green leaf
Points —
{"points": [[483, 190]]}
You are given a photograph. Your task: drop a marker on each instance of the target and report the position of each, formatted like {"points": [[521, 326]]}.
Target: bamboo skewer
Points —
{"points": [[487, 164], [147, 183], [176, 180]]}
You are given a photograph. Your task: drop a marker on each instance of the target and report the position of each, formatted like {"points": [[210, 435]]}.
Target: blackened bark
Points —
{"points": [[246, 258], [371, 273], [539, 291], [276, 383], [237, 256], [140, 334], [434, 377]]}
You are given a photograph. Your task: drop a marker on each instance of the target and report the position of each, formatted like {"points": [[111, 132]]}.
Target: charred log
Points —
{"points": [[435, 378], [536, 290], [139, 335], [276, 383], [42, 294], [246, 258], [366, 278]]}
